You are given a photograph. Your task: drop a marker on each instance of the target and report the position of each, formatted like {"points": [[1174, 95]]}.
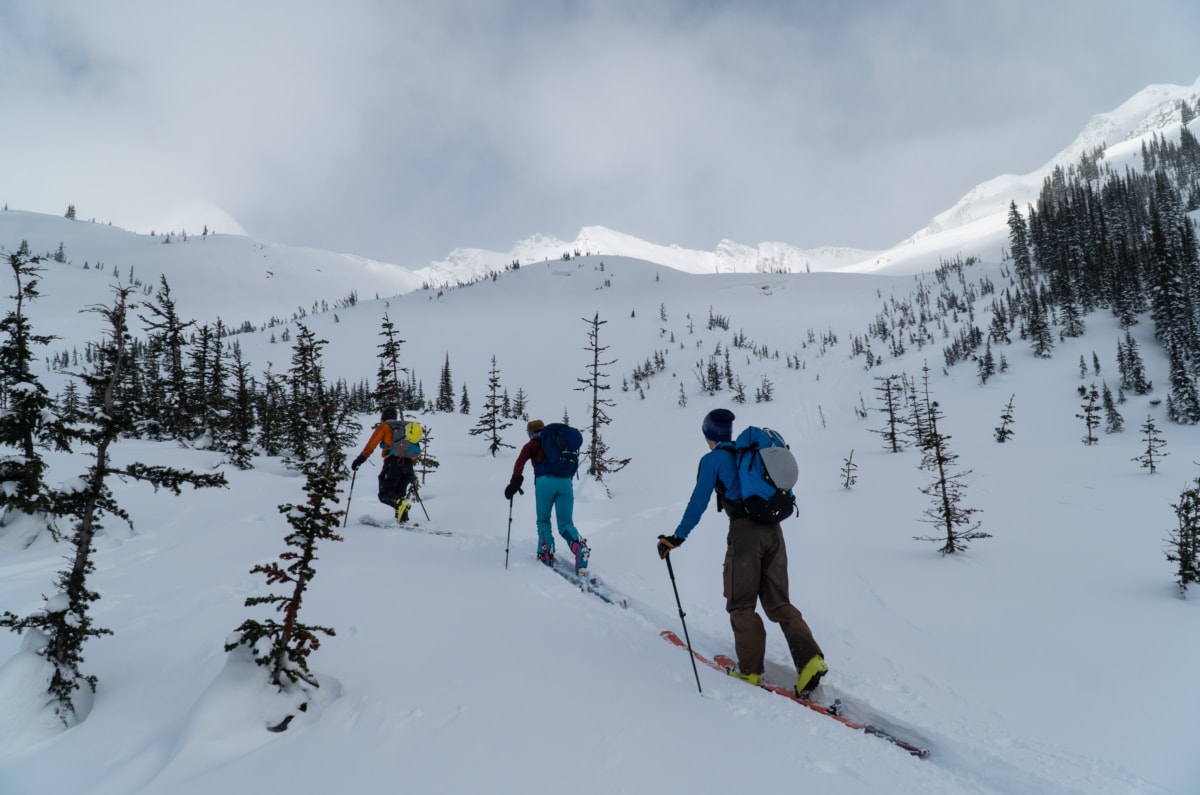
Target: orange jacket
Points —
{"points": [[382, 438]]}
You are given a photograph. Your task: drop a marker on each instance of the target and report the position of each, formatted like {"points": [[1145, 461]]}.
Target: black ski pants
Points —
{"points": [[395, 477]]}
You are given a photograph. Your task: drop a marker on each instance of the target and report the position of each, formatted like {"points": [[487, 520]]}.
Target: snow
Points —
{"points": [[1055, 657]]}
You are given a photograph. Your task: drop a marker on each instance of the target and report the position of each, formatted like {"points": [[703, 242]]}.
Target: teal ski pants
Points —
{"points": [[557, 494]]}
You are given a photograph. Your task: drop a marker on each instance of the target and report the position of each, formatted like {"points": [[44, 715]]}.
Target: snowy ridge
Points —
{"points": [[1152, 111]]}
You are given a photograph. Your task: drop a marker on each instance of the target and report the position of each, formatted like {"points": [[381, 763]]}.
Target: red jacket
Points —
{"points": [[531, 451]]}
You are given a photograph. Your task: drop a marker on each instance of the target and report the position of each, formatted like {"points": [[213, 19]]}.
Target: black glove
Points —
{"points": [[514, 486], [666, 544], [358, 461]]}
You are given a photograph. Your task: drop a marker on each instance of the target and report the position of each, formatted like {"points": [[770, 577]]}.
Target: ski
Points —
{"points": [[589, 583], [409, 526], [722, 663]]}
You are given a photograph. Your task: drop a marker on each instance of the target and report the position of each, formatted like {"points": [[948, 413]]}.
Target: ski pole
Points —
{"points": [[508, 539], [349, 495], [421, 502], [691, 654]]}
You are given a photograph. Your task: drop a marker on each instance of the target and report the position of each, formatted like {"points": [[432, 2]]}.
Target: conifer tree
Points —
{"points": [[167, 337], [388, 391], [1131, 367], [65, 623], [464, 401], [1113, 421], [240, 448], [957, 523], [445, 396], [1183, 399], [520, 405], [849, 471], [491, 421], [739, 390], [1090, 415], [1041, 338], [1004, 431], [283, 646], [1184, 543], [987, 364], [599, 462], [765, 392], [272, 409], [306, 398], [891, 399], [28, 424], [1154, 443], [1018, 238]]}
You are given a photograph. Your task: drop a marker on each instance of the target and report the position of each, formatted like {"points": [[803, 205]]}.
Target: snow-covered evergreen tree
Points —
{"points": [[491, 420]]}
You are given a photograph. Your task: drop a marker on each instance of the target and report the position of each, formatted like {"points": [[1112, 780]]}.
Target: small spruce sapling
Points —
{"points": [[849, 471], [957, 522], [1004, 430], [491, 420], [1154, 443], [283, 646], [1090, 415]]}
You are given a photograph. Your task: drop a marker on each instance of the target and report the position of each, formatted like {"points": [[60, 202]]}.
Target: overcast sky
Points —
{"points": [[401, 130]]}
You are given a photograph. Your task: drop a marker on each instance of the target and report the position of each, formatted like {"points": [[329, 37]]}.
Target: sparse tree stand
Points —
{"points": [[599, 464], [65, 624], [283, 647], [1184, 543], [947, 492]]}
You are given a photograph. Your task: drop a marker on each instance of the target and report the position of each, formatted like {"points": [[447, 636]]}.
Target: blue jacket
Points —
{"points": [[717, 472]]}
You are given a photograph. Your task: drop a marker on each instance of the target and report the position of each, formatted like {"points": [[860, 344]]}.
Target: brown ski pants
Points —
{"points": [[756, 570]]}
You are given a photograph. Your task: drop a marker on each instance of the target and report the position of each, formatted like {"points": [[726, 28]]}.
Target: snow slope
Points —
{"points": [[451, 673]]}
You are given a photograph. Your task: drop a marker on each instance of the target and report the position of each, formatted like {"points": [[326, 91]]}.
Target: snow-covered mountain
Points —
{"points": [[973, 225], [1152, 111]]}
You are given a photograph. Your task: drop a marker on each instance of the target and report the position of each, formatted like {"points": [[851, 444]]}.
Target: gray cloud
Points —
{"points": [[400, 130]]}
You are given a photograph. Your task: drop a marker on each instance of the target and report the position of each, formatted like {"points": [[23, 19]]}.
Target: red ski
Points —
{"points": [[722, 663]]}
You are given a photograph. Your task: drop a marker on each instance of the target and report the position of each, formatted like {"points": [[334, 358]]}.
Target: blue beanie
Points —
{"points": [[718, 425]]}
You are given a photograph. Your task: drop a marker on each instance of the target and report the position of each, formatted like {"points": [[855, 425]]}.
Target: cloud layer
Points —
{"points": [[401, 130]]}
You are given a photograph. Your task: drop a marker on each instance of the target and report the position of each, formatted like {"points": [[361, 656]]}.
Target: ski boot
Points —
{"points": [[810, 676], [582, 552]]}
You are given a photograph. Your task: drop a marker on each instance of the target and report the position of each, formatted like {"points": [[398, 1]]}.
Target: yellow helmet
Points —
{"points": [[413, 432]]}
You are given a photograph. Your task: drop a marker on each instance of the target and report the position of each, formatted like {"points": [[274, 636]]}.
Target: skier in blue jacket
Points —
{"points": [[755, 564]]}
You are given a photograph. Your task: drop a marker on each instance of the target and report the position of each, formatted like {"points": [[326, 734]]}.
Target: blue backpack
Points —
{"points": [[767, 471], [560, 448]]}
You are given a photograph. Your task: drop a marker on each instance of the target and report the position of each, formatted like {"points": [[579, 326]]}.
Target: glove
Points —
{"points": [[666, 544], [358, 461], [514, 486]]}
